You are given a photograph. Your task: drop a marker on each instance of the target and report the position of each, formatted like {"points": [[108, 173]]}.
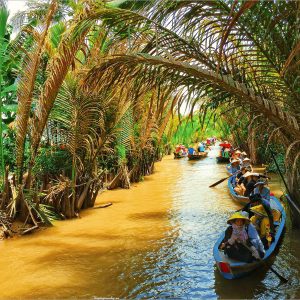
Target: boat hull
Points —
{"points": [[178, 156], [231, 269], [221, 159], [197, 156]]}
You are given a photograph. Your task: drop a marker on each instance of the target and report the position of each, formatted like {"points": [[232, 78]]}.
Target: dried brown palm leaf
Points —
{"points": [[58, 68], [26, 87], [176, 72]]}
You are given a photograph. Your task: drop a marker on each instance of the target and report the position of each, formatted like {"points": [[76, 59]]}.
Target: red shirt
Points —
{"points": [[225, 145]]}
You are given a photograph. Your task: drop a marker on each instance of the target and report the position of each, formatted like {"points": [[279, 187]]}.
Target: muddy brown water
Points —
{"points": [[155, 241]]}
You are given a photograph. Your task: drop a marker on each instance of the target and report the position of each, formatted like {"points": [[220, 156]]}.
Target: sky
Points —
{"points": [[15, 5]]}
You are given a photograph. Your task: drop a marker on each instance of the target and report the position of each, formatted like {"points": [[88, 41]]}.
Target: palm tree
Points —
{"points": [[242, 53], [4, 56]]}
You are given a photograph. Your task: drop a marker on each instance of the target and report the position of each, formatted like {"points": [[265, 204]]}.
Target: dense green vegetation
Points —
{"points": [[90, 100]]}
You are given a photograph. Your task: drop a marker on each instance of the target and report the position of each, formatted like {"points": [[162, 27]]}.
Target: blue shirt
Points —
{"points": [[191, 150], [254, 238], [265, 193], [233, 170], [201, 148]]}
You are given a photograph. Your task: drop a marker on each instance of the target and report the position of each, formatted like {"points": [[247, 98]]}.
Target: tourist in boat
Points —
{"points": [[201, 147], [264, 192], [225, 152], [234, 166], [241, 241], [225, 145], [254, 200], [252, 178], [239, 187], [243, 182], [262, 223], [243, 155], [261, 189], [236, 155], [247, 163], [191, 150], [183, 150]]}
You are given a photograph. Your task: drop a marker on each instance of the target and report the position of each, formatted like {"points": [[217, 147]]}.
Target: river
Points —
{"points": [[155, 241]]}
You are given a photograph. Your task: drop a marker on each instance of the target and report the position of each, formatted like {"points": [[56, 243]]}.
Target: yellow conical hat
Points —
{"points": [[259, 210], [237, 215]]}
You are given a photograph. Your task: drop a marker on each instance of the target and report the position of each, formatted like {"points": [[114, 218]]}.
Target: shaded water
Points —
{"points": [[155, 241]]}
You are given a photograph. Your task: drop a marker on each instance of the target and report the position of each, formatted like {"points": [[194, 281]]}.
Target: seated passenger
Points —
{"points": [[262, 224], [201, 147], [264, 192], [246, 162], [261, 189], [226, 153], [254, 200], [239, 181], [191, 150], [243, 155], [236, 155], [251, 180], [241, 241], [234, 166], [184, 150]]}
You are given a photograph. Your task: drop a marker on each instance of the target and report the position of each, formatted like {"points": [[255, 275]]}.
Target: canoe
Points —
{"points": [[232, 269], [177, 155], [197, 156], [221, 159]]}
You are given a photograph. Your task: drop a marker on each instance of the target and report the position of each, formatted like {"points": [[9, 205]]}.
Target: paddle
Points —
{"points": [[288, 196], [274, 271], [221, 180]]}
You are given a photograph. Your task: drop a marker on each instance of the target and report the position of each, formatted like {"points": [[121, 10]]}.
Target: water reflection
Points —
{"points": [[155, 241]]}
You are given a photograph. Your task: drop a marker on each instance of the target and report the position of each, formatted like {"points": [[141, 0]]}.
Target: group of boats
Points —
{"points": [[182, 152], [232, 269], [191, 156]]}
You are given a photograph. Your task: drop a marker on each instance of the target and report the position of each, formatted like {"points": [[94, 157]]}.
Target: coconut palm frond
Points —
{"points": [[181, 73], [198, 33], [290, 148], [57, 70], [77, 114], [26, 87]]}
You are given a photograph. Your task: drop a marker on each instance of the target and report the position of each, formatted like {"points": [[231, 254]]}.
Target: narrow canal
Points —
{"points": [[155, 241]]}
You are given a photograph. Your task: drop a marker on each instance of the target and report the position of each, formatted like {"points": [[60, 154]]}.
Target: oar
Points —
{"points": [[274, 271], [218, 182], [290, 200], [221, 180]]}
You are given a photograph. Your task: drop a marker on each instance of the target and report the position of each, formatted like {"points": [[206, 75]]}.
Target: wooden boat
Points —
{"points": [[197, 156], [178, 155], [222, 159], [231, 269]]}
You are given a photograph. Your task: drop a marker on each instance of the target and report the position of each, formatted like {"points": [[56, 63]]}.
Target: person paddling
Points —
{"points": [[262, 223], [257, 201], [260, 188], [240, 238]]}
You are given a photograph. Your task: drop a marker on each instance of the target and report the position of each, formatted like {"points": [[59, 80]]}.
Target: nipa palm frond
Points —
{"points": [[26, 87]]}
